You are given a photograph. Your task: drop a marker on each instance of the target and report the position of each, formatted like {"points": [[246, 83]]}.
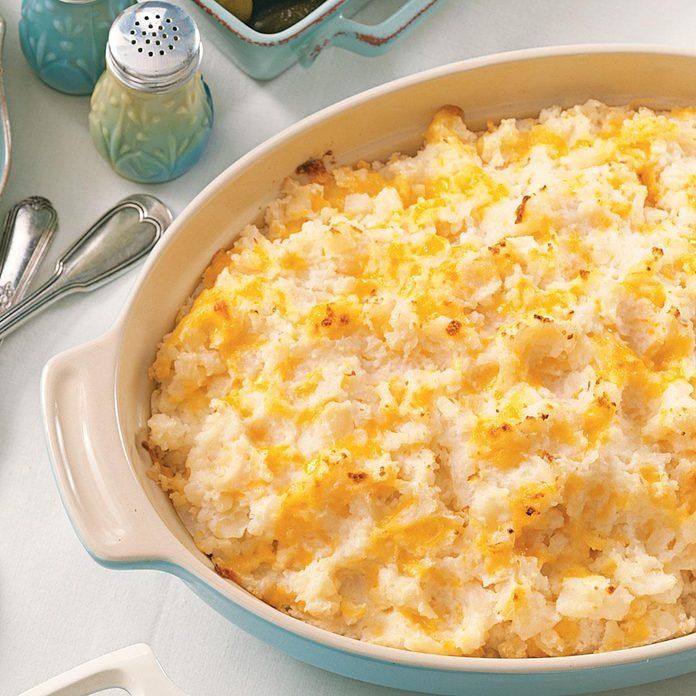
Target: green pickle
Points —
{"points": [[239, 8], [270, 17]]}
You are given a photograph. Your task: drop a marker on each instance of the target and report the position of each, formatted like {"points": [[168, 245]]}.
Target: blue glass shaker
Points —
{"points": [[64, 40], [151, 111]]}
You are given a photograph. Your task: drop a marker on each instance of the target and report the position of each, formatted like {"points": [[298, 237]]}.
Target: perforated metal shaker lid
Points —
{"points": [[153, 46]]}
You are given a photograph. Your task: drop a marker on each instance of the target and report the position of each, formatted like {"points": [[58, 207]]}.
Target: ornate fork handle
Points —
{"points": [[7, 294]]}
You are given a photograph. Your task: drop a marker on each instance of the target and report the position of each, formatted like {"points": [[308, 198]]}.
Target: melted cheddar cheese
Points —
{"points": [[446, 402]]}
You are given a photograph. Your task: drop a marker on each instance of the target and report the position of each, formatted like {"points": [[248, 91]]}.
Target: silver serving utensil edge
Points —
{"points": [[6, 154]]}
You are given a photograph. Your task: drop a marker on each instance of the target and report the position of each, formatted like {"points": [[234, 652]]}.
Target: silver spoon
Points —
{"points": [[28, 230], [5, 139], [112, 245]]}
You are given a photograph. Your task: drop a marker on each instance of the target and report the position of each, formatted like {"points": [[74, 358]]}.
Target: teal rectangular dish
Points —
{"points": [[264, 56]]}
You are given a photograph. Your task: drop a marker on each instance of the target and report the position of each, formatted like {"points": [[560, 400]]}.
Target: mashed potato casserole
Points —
{"points": [[446, 402]]}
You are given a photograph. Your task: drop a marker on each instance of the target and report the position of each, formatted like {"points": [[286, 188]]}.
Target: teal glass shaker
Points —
{"points": [[64, 40], [151, 111]]}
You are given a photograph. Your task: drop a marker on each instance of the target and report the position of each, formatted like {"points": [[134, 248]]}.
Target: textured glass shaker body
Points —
{"points": [[64, 41], [150, 137], [151, 111]]}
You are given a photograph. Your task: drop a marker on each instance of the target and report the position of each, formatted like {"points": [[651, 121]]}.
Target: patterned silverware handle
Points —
{"points": [[113, 244], [28, 230]]}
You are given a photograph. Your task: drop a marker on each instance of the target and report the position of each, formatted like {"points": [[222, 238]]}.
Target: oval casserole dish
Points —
{"points": [[96, 396]]}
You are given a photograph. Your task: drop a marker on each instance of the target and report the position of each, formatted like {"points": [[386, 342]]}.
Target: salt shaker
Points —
{"points": [[151, 111], [64, 40]]}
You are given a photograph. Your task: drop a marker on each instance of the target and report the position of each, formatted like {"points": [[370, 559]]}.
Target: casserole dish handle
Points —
{"points": [[102, 494], [366, 39], [134, 669]]}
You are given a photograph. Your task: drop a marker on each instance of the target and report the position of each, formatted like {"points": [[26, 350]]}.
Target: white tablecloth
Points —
{"points": [[57, 606]]}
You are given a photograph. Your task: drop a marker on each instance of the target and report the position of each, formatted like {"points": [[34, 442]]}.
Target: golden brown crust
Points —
{"points": [[453, 327], [312, 167], [519, 212], [228, 574]]}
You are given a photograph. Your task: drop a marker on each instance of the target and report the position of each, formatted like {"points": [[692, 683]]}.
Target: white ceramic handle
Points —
{"points": [[134, 669], [102, 494]]}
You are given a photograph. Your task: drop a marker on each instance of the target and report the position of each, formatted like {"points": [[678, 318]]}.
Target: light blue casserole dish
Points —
{"points": [[96, 396], [264, 56]]}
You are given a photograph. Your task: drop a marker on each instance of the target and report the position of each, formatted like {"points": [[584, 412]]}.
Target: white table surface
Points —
{"points": [[57, 606]]}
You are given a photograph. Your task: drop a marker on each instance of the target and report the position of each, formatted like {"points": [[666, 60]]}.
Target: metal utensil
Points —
{"points": [[28, 230], [5, 139], [112, 245]]}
